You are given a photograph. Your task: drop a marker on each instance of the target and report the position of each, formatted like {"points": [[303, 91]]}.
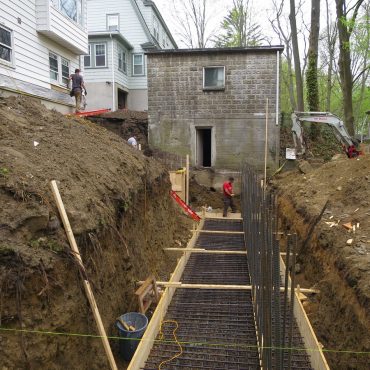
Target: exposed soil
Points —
{"points": [[340, 314], [126, 123], [118, 204], [201, 196]]}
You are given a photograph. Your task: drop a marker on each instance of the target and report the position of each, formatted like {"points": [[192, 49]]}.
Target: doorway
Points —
{"points": [[204, 147], [122, 99]]}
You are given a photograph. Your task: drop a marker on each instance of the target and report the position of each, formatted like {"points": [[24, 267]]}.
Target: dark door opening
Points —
{"points": [[122, 99], [204, 147]]}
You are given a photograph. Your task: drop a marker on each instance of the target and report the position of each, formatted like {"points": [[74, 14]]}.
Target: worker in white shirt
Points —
{"points": [[132, 141]]}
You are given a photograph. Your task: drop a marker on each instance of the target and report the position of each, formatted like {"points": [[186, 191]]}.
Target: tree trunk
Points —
{"points": [[344, 32], [297, 63], [311, 74], [331, 36]]}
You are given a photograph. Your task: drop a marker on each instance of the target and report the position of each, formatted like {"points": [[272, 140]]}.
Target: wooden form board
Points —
{"points": [[315, 353], [179, 284], [146, 343], [178, 182], [204, 251]]}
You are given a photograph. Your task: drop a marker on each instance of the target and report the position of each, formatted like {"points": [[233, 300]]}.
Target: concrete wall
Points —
{"points": [[99, 96], [137, 100], [178, 105]]}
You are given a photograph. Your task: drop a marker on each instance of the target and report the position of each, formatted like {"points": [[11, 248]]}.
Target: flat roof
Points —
{"points": [[218, 50]]}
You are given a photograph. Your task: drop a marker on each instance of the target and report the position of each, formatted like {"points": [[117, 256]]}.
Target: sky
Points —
{"points": [[262, 10], [219, 10]]}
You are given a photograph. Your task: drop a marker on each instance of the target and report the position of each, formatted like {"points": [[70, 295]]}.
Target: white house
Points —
{"points": [[120, 31], [40, 45]]}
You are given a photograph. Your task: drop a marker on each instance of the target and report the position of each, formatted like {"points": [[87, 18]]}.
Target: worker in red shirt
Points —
{"points": [[228, 196]]}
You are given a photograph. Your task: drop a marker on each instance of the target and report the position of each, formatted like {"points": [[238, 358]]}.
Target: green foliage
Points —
{"points": [[312, 88], [5, 250], [46, 243], [4, 171]]}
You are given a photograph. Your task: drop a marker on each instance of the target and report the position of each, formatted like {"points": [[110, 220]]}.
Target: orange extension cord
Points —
{"points": [[161, 337]]}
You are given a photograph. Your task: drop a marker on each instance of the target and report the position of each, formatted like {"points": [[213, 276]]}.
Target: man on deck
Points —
{"points": [[228, 196]]}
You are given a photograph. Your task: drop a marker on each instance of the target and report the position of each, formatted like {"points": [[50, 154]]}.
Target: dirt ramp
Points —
{"points": [[118, 204], [336, 258]]}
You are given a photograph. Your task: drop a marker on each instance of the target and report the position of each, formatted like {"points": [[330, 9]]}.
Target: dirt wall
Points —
{"points": [[340, 314], [122, 216]]}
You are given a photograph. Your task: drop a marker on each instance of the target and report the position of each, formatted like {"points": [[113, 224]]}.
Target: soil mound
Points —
{"points": [[337, 256], [122, 216]]}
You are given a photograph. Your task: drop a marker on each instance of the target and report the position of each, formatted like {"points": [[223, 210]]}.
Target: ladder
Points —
{"points": [[184, 206]]}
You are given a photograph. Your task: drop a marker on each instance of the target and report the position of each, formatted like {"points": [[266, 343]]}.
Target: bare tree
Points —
{"points": [[193, 22], [297, 62], [346, 19], [328, 44], [285, 36]]}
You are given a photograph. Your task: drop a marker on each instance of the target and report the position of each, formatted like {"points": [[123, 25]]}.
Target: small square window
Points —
{"points": [[213, 78], [138, 64], [112, 22]]}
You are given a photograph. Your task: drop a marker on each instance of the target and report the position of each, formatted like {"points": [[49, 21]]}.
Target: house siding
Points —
{"points": [[178, 105], [130, 27], [30, 62]]}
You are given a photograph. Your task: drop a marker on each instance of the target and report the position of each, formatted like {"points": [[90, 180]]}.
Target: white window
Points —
{"points": [[138, 64], [122, 61], [97, 57], [59, 69], [6, 45], [65, 71], [156, 28], [100, 55], [70, 8], [87, 58], [213, 78], [54, 68], [112, 22]]}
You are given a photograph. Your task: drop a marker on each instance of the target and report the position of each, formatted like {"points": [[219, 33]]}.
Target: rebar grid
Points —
{"points": [[227, 242], [223, 225], [276, 327], [212, 325], [216, 328]]}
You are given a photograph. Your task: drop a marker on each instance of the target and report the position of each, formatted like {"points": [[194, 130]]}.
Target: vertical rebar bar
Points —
{"points": [[292, 293]]}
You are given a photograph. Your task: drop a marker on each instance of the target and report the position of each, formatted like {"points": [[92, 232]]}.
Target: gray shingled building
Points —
{"points": [[211, 104]]}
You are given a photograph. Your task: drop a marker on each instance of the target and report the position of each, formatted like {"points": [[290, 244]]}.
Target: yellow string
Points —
{"points": [[161, 337]]}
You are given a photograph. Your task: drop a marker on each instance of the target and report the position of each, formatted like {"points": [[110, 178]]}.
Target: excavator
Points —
{"points": [[349, 144]]}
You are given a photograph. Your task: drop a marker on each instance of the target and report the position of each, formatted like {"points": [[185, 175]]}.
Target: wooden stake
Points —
{"points": [[266, 145], [187, 179], [88, 290]]}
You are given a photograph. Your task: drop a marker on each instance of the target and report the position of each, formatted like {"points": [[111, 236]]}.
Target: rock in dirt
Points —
{"points": [[304, 167]]}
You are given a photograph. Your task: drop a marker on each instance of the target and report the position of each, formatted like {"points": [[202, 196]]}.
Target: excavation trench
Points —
{"points": [[120, 210], [340, 313]]}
